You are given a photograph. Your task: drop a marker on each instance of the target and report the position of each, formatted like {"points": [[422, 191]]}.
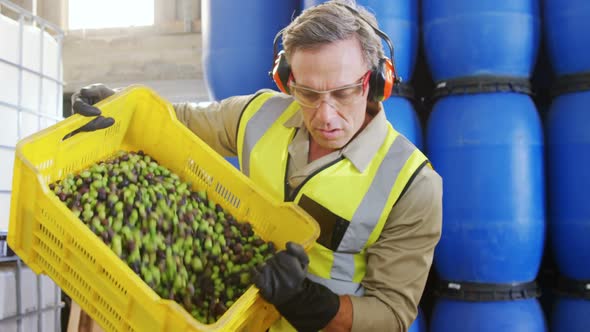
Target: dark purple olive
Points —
{"points": [[102, 194]]}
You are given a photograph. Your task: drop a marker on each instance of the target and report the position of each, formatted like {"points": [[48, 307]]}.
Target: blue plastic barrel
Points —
{"points": [[401, 114], [399, 20], [488, 148], [234, 161], [419, 324], [568, 155], [570, 314], [484, 37], [238, 41], [567, 24], [506, 316]]}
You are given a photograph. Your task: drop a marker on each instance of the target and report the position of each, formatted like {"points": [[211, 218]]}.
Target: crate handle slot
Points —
{"points": [[100, 122]]}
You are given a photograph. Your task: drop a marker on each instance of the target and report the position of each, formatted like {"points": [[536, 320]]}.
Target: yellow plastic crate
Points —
{"points": [[51, 240]]}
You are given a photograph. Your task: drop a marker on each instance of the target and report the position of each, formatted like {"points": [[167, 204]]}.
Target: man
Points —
{"points": [[325, 144]]}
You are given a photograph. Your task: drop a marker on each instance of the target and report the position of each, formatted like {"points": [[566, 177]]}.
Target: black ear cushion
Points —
{"points": [[377, 83], [381, 81], [282, 73]]}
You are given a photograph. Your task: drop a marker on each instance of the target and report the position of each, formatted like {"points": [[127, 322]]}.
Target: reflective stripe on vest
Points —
{"points": [[270, 112], [343, 270], [262, 113], [376, 198], [365, 199]]}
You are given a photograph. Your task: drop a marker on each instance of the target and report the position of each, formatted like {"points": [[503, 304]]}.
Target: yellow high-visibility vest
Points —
{"points": [[362, 199]]}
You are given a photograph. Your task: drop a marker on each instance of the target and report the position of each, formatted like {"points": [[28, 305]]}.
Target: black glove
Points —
{"points": [[89, 95], [282, 281]]}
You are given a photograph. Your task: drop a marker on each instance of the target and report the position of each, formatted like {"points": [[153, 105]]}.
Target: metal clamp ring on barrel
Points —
{"points": [[571, 83], [481, 84], [573, 288], [481, 292]]}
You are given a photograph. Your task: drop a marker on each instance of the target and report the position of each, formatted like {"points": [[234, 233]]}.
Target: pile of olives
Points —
{"points": [[183, 245]]}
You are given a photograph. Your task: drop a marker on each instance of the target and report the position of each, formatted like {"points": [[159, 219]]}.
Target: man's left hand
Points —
{"points": [[282, 281]]}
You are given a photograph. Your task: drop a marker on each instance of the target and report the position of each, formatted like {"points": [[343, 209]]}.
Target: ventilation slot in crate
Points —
{"points": [[114, 281], [227, 195], [199, 172]]}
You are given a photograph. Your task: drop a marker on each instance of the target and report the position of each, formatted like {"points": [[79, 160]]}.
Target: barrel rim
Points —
{"points": [[481, 84], [483, 292], [571, 83], [572, 287], [404, 90]]}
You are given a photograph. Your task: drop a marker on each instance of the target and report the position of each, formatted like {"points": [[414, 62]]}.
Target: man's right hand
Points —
{"points": [[83, 100]]}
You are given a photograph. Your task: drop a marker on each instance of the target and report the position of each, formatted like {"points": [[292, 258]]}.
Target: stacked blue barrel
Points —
{"points": [[237, 44], [567, 23], [484, 136]]}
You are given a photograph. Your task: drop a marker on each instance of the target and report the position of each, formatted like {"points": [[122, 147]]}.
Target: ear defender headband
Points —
{"points": [[382, 79]]}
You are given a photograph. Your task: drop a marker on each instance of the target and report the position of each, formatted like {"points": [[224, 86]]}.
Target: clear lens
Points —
{"points": [[342, 96]]}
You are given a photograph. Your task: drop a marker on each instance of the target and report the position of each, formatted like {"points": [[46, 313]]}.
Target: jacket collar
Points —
{"points": [[360, 151]]}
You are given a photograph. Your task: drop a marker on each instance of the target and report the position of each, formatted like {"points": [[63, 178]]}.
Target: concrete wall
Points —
{"points": [[166, 56], [167, 62]]}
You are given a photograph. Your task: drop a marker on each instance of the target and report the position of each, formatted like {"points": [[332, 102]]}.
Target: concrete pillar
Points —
{"points": [[54, 11], [165, 11]]}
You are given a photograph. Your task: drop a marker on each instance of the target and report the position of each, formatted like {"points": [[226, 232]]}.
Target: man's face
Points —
{"points": [[335, 117]]}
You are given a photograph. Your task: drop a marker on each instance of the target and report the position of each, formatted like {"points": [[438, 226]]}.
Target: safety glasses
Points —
{"points": [[342, 96]]}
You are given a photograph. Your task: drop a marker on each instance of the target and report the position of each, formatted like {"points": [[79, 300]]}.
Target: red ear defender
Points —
{"points": [[382, 81], [281, 72]]}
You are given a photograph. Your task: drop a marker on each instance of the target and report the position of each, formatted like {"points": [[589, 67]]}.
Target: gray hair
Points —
{"points": [[330, 22]]}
